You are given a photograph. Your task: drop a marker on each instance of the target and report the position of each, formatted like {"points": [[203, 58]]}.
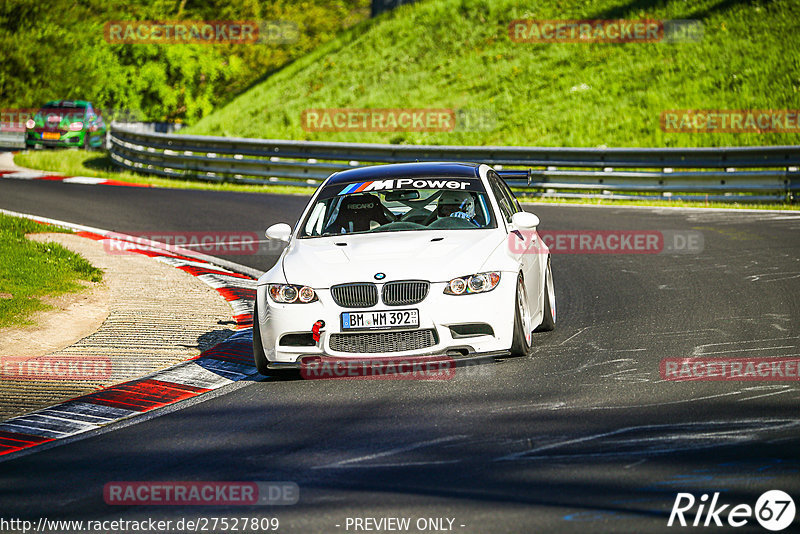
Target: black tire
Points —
{"points": [[258, 349], [519, 344], [549, 319]]}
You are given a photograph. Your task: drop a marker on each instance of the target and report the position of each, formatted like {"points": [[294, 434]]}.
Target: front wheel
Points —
{"points": [[549, 315], [521, 339], [258, 348]]}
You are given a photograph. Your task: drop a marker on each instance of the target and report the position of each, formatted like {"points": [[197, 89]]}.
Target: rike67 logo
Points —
{"points": [[774, 510]]}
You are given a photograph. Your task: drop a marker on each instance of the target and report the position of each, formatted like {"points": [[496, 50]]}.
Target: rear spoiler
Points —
{"points": [[516, 175]]}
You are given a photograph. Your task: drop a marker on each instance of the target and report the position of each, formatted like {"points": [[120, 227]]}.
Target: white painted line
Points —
{"points": [[84, 180], [25, 175]]}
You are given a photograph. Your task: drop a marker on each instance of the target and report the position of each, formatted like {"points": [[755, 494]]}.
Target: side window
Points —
{"points": [[502, 198], [511, 198], [316, 220]]}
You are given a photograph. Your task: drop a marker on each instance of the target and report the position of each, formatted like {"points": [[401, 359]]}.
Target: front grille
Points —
{"points": [[371, 343], [405, 292], [360, 295]]}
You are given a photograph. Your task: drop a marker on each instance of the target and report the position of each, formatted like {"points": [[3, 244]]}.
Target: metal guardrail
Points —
{"points": [[14, 140], [742, 174]]}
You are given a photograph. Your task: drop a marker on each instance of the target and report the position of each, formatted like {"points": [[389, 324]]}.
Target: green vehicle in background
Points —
{"points": [[66, 123]]}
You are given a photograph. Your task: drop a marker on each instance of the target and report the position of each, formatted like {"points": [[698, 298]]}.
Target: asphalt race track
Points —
{"points": [[581, 436]]}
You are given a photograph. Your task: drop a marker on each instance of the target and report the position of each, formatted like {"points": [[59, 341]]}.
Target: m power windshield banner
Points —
{"points": [[453, 184]]}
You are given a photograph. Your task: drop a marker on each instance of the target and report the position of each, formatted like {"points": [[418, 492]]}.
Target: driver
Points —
{"points": [[459, 204]]}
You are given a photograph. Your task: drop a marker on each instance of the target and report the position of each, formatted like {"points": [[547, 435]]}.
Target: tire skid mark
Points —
{"points": [[646, 440], [350, 462], [781, 342]]}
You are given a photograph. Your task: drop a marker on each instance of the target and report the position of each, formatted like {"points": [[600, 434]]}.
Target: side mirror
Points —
{"points": [[279, 232], [524, 220]]}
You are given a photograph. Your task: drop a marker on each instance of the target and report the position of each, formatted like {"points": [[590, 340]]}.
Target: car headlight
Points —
{"points": [[30, 124], [292, 294], [473, 283], [76, 126]]}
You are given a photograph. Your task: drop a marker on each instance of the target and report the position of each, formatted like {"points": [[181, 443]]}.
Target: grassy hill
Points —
{"points": [[57, 50], [457, 54]]}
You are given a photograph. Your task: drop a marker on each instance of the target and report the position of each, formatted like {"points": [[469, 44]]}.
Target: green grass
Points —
{"points": [[61, 52], [74, 162], [30, 270], [457, 54]]}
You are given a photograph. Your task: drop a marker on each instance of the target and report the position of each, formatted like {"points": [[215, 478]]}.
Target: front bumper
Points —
{"points": [[442, 314], [458, 360], [66, 139]]}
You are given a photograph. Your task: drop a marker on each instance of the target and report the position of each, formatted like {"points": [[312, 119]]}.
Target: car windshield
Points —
{"points": [[59, 113], [397, 205]]}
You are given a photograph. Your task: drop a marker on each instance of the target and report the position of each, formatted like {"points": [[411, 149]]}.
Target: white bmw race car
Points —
{"points": [[405, 260]]}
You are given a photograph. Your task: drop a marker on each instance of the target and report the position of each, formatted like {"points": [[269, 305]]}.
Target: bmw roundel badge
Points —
{"points": [[380, 276]]}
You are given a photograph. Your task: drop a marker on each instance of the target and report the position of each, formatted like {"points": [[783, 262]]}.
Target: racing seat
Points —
{"points": [[357, 213]]}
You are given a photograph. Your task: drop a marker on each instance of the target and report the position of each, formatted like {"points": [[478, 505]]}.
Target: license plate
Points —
{"points": [[380, 319], [51, 135]]}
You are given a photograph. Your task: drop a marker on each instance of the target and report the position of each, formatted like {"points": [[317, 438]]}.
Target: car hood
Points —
{"points": [[437, 256], [57, 118]]}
